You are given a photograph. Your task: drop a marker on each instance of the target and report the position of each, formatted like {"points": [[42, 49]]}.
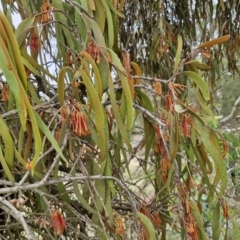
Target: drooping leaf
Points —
{"points": [[45, 130], [138, 72], [61, 84], [178, 54], [24, 28], [8, 145], [99, 113], [236, 230], [98, 79], [126, 88], [215, 41], [201, 84], [199, 65], [205, 139], [120, 124], [216, 227], [9, 72], [199, 219], [5, 166], [147, 225], [16, 57], [109, 24]]}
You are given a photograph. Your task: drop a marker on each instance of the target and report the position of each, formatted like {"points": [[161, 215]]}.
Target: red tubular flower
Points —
{"points": [[58, 222], [34, 41]]}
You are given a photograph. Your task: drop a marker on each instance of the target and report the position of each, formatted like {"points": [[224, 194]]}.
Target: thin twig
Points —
{"points": [[10, 209], [149, 114]]}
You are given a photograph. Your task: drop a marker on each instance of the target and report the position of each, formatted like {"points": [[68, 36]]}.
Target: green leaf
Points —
{"points": [[45, 130], [36, 65], [236, 230], [216, 227], [147, 225], [174, 138], [100, 15], [97, 76], [81, 27], [62, 31], [114, 10], [205, 109], [97, 106], [33, 93], [61, 84], [215, 41], [14, 49], [178, 54], [103, 66], [201, 84], [145, 100], [203, 169], [126, 88], [198, 218], [80, 197], [110, 31], [205, 139], [23, 29], [149, 137], [11, 76], [116, 114], [200, 66], [5, 167], [8, 143]]}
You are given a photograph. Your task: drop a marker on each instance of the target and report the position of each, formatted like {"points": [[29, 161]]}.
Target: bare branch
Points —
{"points": [[67, 178], [149, 114], [10, 209], [233, 113]]}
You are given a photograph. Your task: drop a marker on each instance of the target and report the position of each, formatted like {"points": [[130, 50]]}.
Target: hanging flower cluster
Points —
{"points": [[34, 41], [158, 88], [225, 210], [68, 58], [42, 222], [161, 148], [58, 222], [79, 123], [191, 227], [78, 119], [169, 102], [164, 168], [120, 228], [45, 11], [153, 216], [93, 50], [5, 93], [161, 140], [187, 220], [186, 124]]}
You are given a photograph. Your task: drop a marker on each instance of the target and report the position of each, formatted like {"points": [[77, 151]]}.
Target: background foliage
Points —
{"points": [[108, 125]]}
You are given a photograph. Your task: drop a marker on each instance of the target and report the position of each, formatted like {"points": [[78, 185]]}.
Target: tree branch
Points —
{"points": [[10, 209], [233, 112], [67, 178]]}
